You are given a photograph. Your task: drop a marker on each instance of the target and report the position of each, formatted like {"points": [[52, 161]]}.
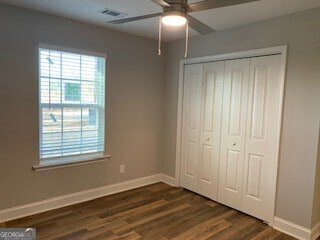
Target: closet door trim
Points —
{"points": [[282, 50]]}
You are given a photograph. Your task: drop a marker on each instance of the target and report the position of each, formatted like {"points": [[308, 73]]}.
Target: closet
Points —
{"points": [[229, 131]]}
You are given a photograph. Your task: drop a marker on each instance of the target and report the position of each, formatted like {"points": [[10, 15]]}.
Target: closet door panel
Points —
{"points": [[210, 128], [235, 100], [264, 96], [191, 126]]}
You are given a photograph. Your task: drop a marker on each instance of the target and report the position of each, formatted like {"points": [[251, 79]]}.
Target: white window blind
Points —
{"points": [[72, 103]]}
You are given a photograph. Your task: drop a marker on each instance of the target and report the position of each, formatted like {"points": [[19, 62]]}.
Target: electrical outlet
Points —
{"points": [[122, 168]]}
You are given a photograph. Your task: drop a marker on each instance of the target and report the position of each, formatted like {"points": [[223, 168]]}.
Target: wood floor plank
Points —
{"points": [[166, 207], [39, 218], [69, 227], [217, 213], [158, 186], [161, 227], [286, 237], [249, 232], [154, 212], [132, 212], [145, 220], [206, 230], [193, 231], [71, 236], [268, 233], [129, 236], [239, 222], [98, 233], [3, 225]]}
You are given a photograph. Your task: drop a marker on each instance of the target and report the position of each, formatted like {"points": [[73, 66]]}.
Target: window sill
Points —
{"points": [[46, 165]]}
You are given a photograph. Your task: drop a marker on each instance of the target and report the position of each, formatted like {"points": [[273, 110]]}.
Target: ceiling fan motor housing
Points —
{"points": [[177, 7], [183, 2]]}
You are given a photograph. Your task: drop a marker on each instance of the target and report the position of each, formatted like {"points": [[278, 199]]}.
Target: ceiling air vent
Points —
{"points": [[113, 13]]}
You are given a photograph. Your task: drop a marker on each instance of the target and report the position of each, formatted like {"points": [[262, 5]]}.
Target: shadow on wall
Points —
{"points": [[316, 199]]}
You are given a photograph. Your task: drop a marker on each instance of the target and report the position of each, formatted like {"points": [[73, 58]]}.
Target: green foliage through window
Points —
{"points": [[72, 92]]}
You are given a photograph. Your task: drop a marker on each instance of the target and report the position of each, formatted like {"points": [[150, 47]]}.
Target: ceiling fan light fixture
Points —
{"points": [[174, 19]]}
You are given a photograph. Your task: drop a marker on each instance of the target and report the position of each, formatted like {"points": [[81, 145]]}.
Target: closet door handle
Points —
{"points": [[234, 144], [208, 139]]}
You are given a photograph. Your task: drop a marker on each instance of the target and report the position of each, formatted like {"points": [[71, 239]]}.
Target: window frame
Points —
{"points": [[77, 159]]}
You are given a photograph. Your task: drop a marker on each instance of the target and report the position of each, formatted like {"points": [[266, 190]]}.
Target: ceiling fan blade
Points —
{"points": [[162, 3], [198, 26], [210, 4], [126, 20]]}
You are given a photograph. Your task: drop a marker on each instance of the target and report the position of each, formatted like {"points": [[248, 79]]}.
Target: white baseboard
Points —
{"points": [[292, 229], [315, 231], [168, 179], [70, 199]]}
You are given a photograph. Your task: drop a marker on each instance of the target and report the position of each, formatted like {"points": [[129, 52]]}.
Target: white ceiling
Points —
{"points": [[218, 19]]}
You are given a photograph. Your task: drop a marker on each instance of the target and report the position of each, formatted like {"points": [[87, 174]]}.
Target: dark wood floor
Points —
{"points": [[153, 212]]}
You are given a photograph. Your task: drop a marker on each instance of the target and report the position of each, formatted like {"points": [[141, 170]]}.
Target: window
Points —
{"points": [[72, 103]]}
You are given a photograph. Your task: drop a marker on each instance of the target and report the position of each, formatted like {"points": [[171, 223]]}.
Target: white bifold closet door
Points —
{"points": [[236, 83], [261, 136], [249, 133], [229, 132], [201, 124], [191, 126]]}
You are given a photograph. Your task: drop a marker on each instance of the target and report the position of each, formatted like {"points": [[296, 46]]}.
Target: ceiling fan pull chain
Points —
{"points": [[160, 30], [187, 39]]}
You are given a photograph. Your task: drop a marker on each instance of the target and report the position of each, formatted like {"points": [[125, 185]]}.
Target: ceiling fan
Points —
{"points": [[175, 13]]}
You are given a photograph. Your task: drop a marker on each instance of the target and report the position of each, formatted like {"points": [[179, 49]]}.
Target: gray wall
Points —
{"points": [[135, 106], [316, 200], [301, 114]]}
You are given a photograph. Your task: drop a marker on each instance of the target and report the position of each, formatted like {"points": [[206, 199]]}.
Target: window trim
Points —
{"points": [[70, 161], [80, 159], [71, 50]]}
